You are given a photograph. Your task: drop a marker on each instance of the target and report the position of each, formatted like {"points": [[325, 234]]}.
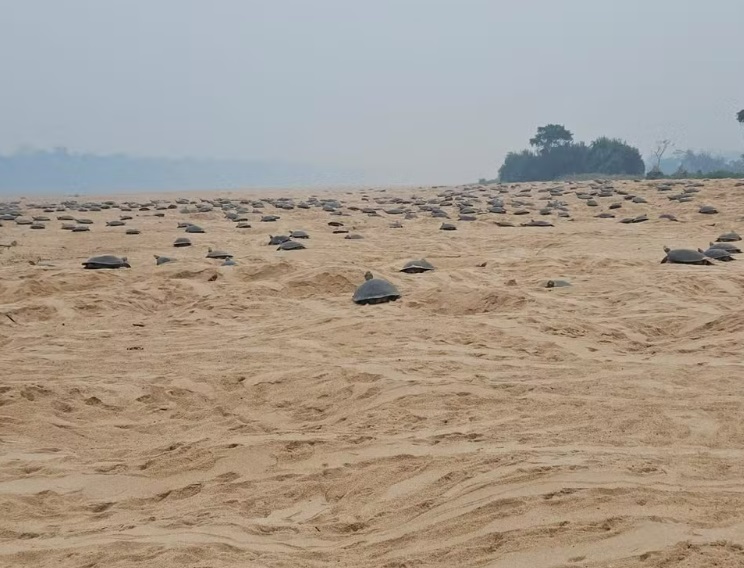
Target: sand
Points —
{"points": [[194, 415]]}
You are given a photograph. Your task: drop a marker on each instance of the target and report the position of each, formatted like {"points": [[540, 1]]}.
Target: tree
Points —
{"points": [[661, 147], [551, 136], [740, 116], [614, 157]]}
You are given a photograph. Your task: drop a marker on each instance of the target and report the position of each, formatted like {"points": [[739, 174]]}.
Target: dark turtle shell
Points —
{"points": [[728, 237], [290, 245], [163, 259], [729, 247], [417, 266], [685, 256], [278, 239], [375, 291], [194, 229], [106, 261], [299, 235], [718, 254], [447, 227]]}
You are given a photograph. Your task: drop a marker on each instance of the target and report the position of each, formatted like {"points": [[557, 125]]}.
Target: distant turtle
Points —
{"points": [[718, 254], [229, 262], [106, 261], [299, 235], [37, 226], [504, 224], [84, 221], [537, 224], [708, 210], [243, 225], [194, 229], [557, 284], [132, 232], [115, 223], [728, 237], [163, 259], [668, 216], [353, 236], [729, 247], [182, 242], [80, 229], [375, 291], [219, 254], [290, 245], [417, 266], [277, 239], [684, 256], [447, 227], [269, 218]]}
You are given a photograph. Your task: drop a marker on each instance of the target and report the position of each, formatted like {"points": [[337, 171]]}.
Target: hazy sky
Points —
{"points": [[439, 89]]}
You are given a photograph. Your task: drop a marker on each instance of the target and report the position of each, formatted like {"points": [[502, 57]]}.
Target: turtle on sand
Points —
{"points": [[417, 266], [163, 259], [718, 254], [375, 291], [684, 256], [106, 261], [290, 245], [219, 254], [182, 242]]}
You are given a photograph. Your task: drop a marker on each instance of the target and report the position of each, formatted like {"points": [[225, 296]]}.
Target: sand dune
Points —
{"points": [[191, 414]]}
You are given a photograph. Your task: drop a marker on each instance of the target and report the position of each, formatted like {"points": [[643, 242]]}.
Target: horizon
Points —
{"points": [[433, 91]]}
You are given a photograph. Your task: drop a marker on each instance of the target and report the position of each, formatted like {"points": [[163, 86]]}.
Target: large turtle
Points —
{"points": [[106, 261], [299, 235], [684, 256], [417, 266], [194, 229], [182, 242], [375, 291]]}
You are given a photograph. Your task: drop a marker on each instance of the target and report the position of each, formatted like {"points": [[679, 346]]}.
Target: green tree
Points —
{"points": [[740, 116], [551, 136]]}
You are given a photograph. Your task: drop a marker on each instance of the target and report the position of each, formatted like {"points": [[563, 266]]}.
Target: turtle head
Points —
{"points": [[124, 259], [209, 249], [368, 275], [666, 249]]}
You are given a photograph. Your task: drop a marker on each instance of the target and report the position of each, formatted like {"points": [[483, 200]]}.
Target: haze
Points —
{"points": [[429, 91]]}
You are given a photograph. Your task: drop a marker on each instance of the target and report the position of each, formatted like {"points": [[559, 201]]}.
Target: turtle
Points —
{"points": [[243, 225], [729, 247], [375, 291], [83, 221], [38, 226], [335, 224], [417, 266], [229, 262], [269, 218], [290, 245], [504, 223], [396, 225], [353, 236], [668, 216], [106, 261], [708, 210], [115, 223], [718, 254], [684, 256], [728, 237], [277, 239], [222, 255], [557, 284], [162, 259], [80, 229], [68, 226], [537, 224], [182, 242], [299, 235], [447, 227], [194, 229], [605, 216]]}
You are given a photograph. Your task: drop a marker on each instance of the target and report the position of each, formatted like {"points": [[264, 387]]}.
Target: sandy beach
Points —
{"points": [[198, 415]]}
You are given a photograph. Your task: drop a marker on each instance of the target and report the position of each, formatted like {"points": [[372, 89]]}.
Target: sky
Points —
{"points": [[436, 90]]}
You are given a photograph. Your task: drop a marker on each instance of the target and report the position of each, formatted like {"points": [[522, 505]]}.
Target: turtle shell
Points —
{"points": [[375, 291], [182, 242], [417, 266], [106, 261], [290, 245], [685, 256], [218, 254], [728, 237]]}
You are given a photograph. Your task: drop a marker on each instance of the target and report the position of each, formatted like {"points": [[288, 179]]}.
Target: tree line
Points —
{"points": [[556, 155]]}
